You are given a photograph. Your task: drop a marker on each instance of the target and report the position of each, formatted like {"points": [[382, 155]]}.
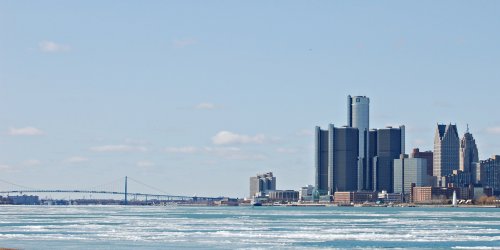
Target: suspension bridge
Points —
{"points": [[160, 195]]}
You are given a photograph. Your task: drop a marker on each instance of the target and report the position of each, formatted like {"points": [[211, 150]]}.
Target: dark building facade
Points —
{"points": [[489, 173], [336, 159], [389, 146], [469, 156]]}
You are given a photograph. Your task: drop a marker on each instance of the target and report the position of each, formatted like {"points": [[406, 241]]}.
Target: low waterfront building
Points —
{"points": [[479, 192], [284, 196], [437, 194], [226, 201], [306, 193], [355, 197], [24, 200], [386, 197]]}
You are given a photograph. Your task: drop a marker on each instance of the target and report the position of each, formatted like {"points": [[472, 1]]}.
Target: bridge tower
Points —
{"points": [[126, 202]]}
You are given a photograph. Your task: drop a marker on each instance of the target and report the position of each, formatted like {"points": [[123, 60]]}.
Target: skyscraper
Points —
{"points": [[389, 146], [408, 171], [336, 158], [358, 116], [469, 156], [446, 150], [428, 155]]}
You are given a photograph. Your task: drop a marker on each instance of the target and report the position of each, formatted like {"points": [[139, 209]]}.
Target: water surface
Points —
{"points": [[129, 227]]}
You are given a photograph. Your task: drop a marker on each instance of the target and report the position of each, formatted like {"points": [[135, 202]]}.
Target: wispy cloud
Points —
{"points": [[305, 132], [145, 164], [53, 47], [118, 148], [231, 153], [227, 138], [5, 167], [182, 43], [76, 160], [287, 150], [30, 163], [26, 131], [206, 106], [493, 130], [181, 150]]}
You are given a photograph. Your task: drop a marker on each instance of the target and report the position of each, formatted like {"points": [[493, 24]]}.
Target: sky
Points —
{"points": [[194, 97]]}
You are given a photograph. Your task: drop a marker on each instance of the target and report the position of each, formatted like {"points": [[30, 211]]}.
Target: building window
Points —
{"points": [[357, 99]]}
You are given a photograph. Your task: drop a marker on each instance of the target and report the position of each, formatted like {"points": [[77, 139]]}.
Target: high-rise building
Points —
{"points": [[358, 116], [488, 174], [446, 150], [390, 145], [428, 155], [469, 156], [372, 152], [336, 159], [262, 184], [408, 171]]}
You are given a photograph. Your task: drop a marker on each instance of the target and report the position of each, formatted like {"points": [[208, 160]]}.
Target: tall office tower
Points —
{"points": [[372, 152], [446, 150], [428, 155], [358, 116], [390, 145], [488, 173], [469, 156], [336, 159], [262, 183], [321, 160], [408, 171]]}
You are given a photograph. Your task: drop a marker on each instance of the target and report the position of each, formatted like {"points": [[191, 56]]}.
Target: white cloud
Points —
{"points": [[76, 159], [226, 137], [30, 163], [118, 148], [206, 106], [52, 47], [5, 167], [145, 164], [233, 153], [182, 150], [493, 130], [181, 43], [25, 131]]}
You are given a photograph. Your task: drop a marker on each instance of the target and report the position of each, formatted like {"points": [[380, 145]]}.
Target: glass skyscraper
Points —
{"points": [[358, 116], [336, 159]]}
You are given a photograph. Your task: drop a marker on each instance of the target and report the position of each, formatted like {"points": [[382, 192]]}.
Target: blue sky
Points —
{"points": [[194, 97]]}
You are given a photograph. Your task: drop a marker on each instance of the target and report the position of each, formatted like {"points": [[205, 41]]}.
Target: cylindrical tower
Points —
{"points": [[359, 117]]}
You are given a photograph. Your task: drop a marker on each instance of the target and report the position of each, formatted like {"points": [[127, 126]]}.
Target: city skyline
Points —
{"points": [[197, 105]]}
